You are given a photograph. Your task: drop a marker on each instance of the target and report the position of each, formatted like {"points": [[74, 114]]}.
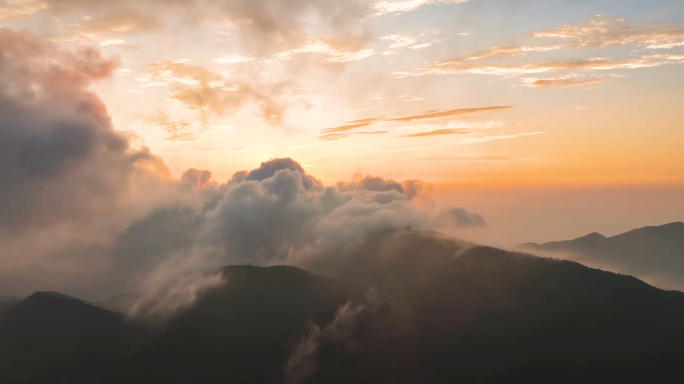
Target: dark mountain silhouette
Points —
{"points": [[420, 307], [120, 304], [655, 253], [7, 302], [50, 331]]}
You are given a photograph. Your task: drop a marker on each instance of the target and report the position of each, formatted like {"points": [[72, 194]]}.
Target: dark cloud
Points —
{"points": [[461, 218], [58, 148], [69, 182], [410, 188], [270, 168]]}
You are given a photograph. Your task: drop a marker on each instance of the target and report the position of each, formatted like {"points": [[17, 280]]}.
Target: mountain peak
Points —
{"points": [[591, 236], [43, 295]]}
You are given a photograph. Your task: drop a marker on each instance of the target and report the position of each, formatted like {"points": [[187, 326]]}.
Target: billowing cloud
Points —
{"points": [[410, 188], [69, 181], [277, 214]]}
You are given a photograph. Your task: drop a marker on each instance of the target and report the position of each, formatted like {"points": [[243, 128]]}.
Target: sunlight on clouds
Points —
{"points": [[15, 9], [320, 47], [401, 6], [232, 59]]}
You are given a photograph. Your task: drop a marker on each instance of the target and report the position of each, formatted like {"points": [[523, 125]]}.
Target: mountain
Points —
{"points": [[404, 307], [120, 304], [7, 302], [50, 331], [655, 253]]}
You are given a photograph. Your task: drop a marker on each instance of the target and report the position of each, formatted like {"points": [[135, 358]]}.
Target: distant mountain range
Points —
{"points": [[652, 253], [406, 307]]}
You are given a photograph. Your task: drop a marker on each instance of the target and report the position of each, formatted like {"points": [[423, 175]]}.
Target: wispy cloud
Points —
{"points": [[340, 136], [475, 140], [208, 91], [451, 113], [454, 127], [383, 7], [20, 8], [559, 82], [440, 132], [232, 59], [591, 64], [594, 33], [336, 55], [467, 158], [604, 31]]}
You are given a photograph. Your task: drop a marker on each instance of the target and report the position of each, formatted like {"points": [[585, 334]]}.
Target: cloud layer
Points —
{"points": [[80, 201]]}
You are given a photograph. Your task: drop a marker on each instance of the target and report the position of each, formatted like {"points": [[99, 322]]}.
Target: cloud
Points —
{"points": [[461, 218], [454, 127], [209, 92], [560, 82], [410, 188], [340, 136], [591, 64], [128, 22], [264, 22], [163, 296], [336, 55], [69, 181], [465, 158], [20, 8], [232, 59], [485, 139], [512, 51], [383, 7], [604, 31], [349, 127], [301, 363], [278, 214], [595, 33], [451, 113], [79, 198], [440, 132]]}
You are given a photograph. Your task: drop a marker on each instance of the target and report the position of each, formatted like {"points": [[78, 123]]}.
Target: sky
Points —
{"points": [[548, 119], [592, 87]]}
